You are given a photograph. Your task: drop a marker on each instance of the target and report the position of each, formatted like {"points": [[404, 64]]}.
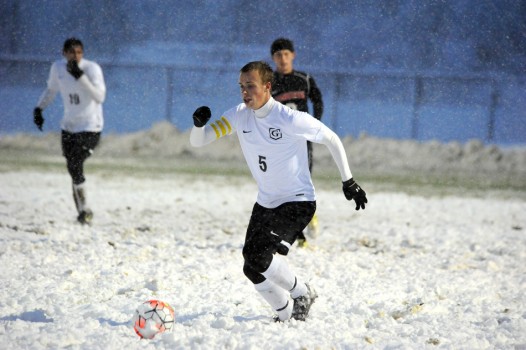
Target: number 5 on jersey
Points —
{"points": [[262, 163]]}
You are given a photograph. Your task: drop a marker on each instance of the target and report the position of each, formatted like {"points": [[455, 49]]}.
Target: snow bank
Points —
{"points": [[366, 154]]}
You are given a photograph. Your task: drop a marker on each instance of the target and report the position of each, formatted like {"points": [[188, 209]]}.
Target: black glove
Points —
{"points": [[37, 117], [353, 191], [73, 69], [202, 116]]}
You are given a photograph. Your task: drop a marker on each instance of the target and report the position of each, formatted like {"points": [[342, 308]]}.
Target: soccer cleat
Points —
{"points": [[85, 217], [312, 227], [302, 304]]}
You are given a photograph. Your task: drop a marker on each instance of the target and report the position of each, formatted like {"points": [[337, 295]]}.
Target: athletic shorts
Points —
{"points": [[275, 230], [79, 145]]}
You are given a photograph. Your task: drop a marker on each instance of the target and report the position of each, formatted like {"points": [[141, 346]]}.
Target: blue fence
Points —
{"points": [[401, 106]]}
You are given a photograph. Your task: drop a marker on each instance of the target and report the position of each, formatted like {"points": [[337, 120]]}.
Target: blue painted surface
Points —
{"points": [[163, 59]]}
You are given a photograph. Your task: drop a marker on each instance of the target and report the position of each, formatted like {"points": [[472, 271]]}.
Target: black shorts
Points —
{"points": [[269, 229], [80, 145]]}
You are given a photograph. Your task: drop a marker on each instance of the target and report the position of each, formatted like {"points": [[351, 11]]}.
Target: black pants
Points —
{"points": [[266, 231], [76, 148]]}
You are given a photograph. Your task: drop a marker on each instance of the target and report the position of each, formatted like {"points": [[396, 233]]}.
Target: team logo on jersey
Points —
{"points": [[274, 133]]}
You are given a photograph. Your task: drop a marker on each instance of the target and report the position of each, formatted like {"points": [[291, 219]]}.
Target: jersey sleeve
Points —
{"points": [[52, 82], [48, 95], [93, 82], [305, 126], [329, 138]]}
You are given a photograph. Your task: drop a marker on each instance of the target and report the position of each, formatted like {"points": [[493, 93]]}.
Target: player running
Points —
{"points": [[81, 85], [272, 138]]}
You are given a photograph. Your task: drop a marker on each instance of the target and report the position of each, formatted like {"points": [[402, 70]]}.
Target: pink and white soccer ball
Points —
{"points": [[153, 317]]}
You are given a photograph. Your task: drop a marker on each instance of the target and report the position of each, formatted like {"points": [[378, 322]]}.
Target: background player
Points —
{"points": [[81, 85], [294, 88]]}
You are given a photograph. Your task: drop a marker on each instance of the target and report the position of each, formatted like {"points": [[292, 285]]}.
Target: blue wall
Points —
{"points": [[161, 59]]}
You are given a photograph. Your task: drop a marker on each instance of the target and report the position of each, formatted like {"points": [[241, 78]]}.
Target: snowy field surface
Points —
{"points": [[436, 265]]}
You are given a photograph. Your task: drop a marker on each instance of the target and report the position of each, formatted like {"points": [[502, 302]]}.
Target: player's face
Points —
{"points": [[74, 53], [253, 91], [283, 60]]}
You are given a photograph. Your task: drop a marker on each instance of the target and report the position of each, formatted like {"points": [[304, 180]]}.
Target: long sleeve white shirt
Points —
{"points": [[82, 97], [273, 140]]}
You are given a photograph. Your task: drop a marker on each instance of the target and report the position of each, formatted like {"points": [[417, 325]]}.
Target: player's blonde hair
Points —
{"points": [[262, 67]]}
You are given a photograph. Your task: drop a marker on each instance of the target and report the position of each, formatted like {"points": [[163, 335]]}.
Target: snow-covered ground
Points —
{"points": [[444, 268]]}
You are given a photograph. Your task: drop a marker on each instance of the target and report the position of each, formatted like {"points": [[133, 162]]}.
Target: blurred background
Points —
{"points": [[402, 69]]}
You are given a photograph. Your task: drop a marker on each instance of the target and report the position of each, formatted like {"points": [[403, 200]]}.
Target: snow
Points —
{"points": [[436, 264]]}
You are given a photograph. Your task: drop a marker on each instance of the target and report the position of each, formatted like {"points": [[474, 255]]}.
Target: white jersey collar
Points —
{"points": [[265, 109]]}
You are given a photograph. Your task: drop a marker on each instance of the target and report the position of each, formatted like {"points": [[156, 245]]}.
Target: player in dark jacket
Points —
{"points": [[294, 88]]}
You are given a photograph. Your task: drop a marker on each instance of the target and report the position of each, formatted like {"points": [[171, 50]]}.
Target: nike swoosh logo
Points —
{"points": [[272, 233], [246, 132]]}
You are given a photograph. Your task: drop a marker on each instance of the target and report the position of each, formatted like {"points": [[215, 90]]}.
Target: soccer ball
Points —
{"points": [[153, 317]]}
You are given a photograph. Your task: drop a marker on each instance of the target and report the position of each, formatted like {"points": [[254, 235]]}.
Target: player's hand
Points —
{"points": [[202, 116], [74, 69], [353, 191], [37, 118]]}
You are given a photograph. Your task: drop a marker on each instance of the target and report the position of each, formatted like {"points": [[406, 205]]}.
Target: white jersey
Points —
{"points": [[82, 97], [273, 141], [275, 146]]}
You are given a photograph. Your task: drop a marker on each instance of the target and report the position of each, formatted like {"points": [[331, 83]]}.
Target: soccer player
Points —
{"points": [[294, 88], [272, 137], [81, 85]]}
